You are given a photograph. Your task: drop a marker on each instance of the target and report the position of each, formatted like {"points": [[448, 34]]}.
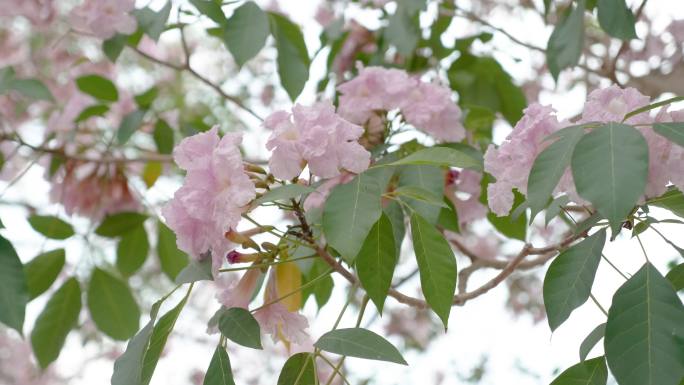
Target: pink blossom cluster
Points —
{"points": [[511, 162], [317, 136], [39, 12], [92, 190], [213, 196], [463, 189], [105, 18], [426, 106]]}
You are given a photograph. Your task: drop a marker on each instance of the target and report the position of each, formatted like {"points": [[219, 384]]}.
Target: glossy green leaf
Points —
{"points": [[119, 224], [158, 337], [219, 371], [300, 369], [112, 306], [437, 265], [284, 193], [590, 372], [676, 277], [132, 250], [195, 271], [672, 131], [548, 168], [610, 168], [420, 194], [171, 259], [293, 57], [591, 340], [427, 178], [440, 156], [565, 44], [376, 261], [98, 87], [58, 317], [245, 32], [359, 343], [645, 330], [616, 19], [396, 215], [42, 271], [14, 293], [51, 227], [211, 9], [129, 125], [239, 326], [163, 137], [349, 213], [568, 281]]}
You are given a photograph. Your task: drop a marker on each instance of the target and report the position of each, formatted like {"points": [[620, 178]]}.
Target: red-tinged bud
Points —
{"points": [[452, 176], [234, 256]]}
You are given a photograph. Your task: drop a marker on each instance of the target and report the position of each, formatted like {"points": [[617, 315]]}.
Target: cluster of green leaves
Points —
{"points": [[246, 31], [29, 87], [566, 43], [110, 302]]}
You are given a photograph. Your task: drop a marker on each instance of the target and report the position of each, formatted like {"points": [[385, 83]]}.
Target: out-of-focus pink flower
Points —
{"points": [[676, 28], [213, 197], [92, 190], [240, 293], [510, 164], [280, 323], [315, 135], [16, 366], [105, 18], [39, 12], [359, 39], [464, 192], [427, 106], [324, 15], [611, 104]]}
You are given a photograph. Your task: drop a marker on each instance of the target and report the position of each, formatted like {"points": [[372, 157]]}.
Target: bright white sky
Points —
{"points": [[483, 328]]}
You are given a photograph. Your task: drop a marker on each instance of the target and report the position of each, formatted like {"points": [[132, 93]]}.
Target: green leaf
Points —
{"points": [[245, 32], [672, 200], [440, 156], [676, 277], [437, 265], [645, 330], [293, 57], [591, 372], [58, 317], [98, 87], [112, 306], [616, 19], [219, 371], [14, 293], [652, 106], [591, 340], [396, 215], [283, 193], [32, 88], [151, 173], [359, 343], [195, 271], [672, 131], [160, 334], [610, 167], [565, 44], [300, 369], [448, 217], [211, 9], [153, 23], [89, 112], [567, 283], [403, 29], [145, 100], [428, 178], [548, 168], [172, 259], [119, 224], [238, 325], [51, 227], [376, 261], [554, 208], [132, 251], [113, 46], [163, 137], [420, 194], [349, 213], [42, 271], [510, 225], [129, 125]]}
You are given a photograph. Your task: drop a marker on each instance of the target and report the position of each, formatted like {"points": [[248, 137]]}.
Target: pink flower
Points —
{"points": [[429, 107], [280, 323], [464, 192], [315, 135], [611, 104], [39, 12], [510, 164], [239, 294], [213, 197], [105, 18]]}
